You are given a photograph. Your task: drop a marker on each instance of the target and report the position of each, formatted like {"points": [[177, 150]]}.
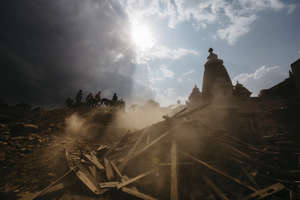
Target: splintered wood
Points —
{"points": [[136, 193], [219, 172], [231, 167], [91, 157], [260, 194], [135, 178], [215, 188], [108, 170]]}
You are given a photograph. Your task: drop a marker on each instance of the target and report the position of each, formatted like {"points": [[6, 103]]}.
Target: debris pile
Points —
{"points": [[194, 154], [223, 145]]}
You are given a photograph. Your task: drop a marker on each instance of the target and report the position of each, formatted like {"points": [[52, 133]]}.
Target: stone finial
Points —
{"points": [[212, 56]]}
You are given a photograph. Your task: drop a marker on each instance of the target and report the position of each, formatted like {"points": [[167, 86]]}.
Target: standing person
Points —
{"points": [[69, 102], [89, 99], [79, 98], [97, 98], [114, 99]]}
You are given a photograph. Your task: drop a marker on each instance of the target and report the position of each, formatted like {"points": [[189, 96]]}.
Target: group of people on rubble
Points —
{"points": [[94, 100]]}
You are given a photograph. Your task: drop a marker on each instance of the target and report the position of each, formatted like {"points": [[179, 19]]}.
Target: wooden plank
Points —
{"points": [[136, 193], [174, 181], [91, 157], [235, 150], [268, 191], [83, 174], [135, 178], [251, 179], [215, 188], [108, 170], [93, 170], [88, 181], [116, 169], [156, 140], [56, 187], [112, 184], [219, 172], [133, 148], [178, 163], [123, 177], [49, 187]]}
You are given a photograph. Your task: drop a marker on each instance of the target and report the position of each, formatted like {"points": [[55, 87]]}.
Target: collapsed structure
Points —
{"points": [[216, 148]]}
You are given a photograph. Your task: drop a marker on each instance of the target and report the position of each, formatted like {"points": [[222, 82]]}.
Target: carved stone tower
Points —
{"points": [[216, 81]]}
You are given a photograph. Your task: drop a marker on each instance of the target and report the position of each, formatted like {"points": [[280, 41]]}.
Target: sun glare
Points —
{"points": [[142, 37]]}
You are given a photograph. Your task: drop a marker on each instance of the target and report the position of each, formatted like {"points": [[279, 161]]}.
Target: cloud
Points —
{"points": [[188, 72], [185, 74], [168, 96], [167, 73], [236, 16], [239, 27], [262, 78], [160, 52], [54, 48], [291, 8]]}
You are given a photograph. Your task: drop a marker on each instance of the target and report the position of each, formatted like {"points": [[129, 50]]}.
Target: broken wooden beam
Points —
{"points": [[178, 163], [219, 171], [251, 178], [116, 169], [112, 184], [156, 140], [133, 148], [127, 182], [235, 150], [108, 170], [268, 191], [91, 157], [84, 175], [136, 193], [49, 187], [214, 187]]}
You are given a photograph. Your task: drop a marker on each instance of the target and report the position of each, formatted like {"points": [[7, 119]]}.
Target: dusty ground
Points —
{"points": [[32, 142]]}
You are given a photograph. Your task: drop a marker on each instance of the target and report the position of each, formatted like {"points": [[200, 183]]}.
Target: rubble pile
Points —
{"points": [[223, 145], [32, 143], [208, 152]]}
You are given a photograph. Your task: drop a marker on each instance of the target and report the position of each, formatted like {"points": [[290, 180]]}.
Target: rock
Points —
{"points": [[5, 118], [18, 138], [19, 129]]}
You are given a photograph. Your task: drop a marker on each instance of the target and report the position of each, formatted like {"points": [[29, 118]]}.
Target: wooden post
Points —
{"points": [[174, 181]]}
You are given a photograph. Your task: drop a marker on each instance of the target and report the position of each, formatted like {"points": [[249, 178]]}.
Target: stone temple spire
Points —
{"points": [[212, 56], [216, 80]]}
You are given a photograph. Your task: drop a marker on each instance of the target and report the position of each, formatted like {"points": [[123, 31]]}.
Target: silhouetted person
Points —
{"points": [[69, 102], [106, 102], [114, 99], [89, 99], [97, 98], [79, 98]]}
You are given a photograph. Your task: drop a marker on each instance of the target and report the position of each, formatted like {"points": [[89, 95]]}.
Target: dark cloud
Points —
{"points": [[50, 49]]}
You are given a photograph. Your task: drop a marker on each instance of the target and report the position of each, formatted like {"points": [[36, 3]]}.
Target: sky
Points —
{"points": [[141, 49]]}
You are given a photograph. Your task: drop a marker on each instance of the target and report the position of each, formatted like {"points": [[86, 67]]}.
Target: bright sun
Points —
{"points": [[142, 37]]}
